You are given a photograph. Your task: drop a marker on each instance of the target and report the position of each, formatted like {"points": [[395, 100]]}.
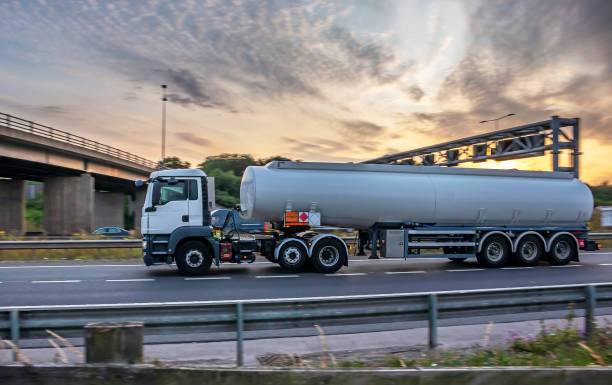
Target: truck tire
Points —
{"points": [[495, 251], [562, 250], [328, 255], [529, 251], [193, 258], [292, 256]]}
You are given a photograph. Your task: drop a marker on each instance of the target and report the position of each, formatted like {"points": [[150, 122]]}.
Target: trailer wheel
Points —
{"points": [[193, 258], [328, 255], [495, 252], [529, 251], [562, 250], [292, 256]]}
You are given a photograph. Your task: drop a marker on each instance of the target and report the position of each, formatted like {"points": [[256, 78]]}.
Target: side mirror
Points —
{"points": [[139, 183], [172, 181], [156, 192], [150, 209], [237, 207]]}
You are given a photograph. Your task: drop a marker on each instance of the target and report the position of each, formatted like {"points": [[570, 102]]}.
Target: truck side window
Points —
{"points": [[193, 190], [175, 192]]}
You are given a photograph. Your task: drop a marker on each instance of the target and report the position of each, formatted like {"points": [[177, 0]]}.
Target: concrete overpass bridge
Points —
{"points": [[84, 181]]}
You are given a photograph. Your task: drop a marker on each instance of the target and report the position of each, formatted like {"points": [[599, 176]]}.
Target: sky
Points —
{"points": [[315, 80]]}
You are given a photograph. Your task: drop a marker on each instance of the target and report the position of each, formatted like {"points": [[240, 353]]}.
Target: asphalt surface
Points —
{"points": [[74, 283]]}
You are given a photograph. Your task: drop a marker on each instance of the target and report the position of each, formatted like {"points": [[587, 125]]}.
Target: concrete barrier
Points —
{"points": [[149, 375]]}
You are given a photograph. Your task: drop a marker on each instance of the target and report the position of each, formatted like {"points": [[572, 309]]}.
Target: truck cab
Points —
{"points": [[176, 224]]}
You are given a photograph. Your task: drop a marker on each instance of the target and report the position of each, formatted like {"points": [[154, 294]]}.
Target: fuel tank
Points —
{"points": [[360, 195]]}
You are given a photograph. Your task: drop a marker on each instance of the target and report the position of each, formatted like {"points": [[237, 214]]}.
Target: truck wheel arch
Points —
{"points": [[278, 247], [317, 238], [550, 241], [481, 241], [518, 239]]}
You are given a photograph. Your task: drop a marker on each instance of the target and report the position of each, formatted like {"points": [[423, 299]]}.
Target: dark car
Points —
{"points": [[111, 231], [242, 225]]}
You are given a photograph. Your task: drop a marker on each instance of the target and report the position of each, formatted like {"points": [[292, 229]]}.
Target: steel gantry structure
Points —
{"points": [[530, 140]]}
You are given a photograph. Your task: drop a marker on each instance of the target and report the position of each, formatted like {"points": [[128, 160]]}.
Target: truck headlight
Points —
{"points": [[144, 244]]}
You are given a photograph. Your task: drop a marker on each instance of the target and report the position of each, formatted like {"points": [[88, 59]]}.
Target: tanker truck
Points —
{"points": [[500, 217]]}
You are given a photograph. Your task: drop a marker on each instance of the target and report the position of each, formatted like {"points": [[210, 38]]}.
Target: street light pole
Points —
{"points": [[496, 120], [163, 144]]}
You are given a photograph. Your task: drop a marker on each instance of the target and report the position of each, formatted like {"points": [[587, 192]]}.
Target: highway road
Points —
{"points": [[72, 283]]}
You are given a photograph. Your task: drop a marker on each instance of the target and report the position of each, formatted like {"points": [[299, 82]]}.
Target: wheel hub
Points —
{"points": [[562, 249], [194, 258], [292, 255], [329, 256], [495, 252], [529, 250]]}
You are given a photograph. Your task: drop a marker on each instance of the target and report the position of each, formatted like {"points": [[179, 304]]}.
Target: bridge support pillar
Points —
{"points": [[12, 199], [137, 202], [108, 210], [68, 205]]}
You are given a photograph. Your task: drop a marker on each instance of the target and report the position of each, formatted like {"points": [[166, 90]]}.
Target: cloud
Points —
{"points": [[361, 128], [415, 92], [188, 137]]}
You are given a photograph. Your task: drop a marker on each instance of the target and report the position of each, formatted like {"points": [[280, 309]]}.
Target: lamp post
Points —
{"points": [[163, 141], [496, 120]]}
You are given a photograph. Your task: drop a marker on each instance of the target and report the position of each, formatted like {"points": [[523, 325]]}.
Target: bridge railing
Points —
{"points": [[273, 318], [30, 127]]}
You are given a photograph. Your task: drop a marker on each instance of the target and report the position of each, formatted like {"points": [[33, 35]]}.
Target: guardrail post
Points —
{"points": [[589, 310], [433, 321], [15, 330], [239, 337]]}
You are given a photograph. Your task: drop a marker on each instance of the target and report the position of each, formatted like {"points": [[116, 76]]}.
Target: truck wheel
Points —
{"points": [[292, 256], [562, 250], [529, 251], [328, 255], [193, 258], [495, 252]]}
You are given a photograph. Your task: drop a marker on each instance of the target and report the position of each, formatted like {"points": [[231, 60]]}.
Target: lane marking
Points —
{"points": [[288, 299], [276, 276], [64, 281], [63, 266], [605, 264], [596, 253], [343, 274], [569, 266], [131, 280], [405, 272], [457, 270], [518, 268], [205, 278]]}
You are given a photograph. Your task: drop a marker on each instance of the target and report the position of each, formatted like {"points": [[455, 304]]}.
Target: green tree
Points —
{"points": [[172, 162], [236, 163], [602, 194]]}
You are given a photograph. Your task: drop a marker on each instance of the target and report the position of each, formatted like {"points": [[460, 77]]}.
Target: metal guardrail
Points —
{"points": [[229, 320], [71, 244], [30, 127], [132, 243]]}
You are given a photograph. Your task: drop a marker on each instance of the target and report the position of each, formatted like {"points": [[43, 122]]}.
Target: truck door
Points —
{"points": [[195, 202], [171, 207]]}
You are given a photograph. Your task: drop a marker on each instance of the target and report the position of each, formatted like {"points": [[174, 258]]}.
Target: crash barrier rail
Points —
{"points": [[132, 243], [30, 127], [243, 319]]}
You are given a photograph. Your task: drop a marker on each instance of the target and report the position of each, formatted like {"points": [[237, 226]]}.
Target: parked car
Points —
{"points": [[242, 225], [111, 231]]}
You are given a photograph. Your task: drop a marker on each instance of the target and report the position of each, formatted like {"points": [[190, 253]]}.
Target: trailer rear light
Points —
{"points": [[581, 243], [265, 227], [577, 233]]}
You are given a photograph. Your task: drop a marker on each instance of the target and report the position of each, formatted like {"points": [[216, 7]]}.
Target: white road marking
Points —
{"points": [[605, 264], [518, 268], [457, 270], [405, 272], [343, 274], [276, 276], [285, 299], [205, 278], [65, 281], [569, 266], [131, 280], [595, 253], [63, 266]]}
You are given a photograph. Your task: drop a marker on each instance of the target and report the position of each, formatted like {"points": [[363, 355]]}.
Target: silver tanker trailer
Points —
{"points": [[496, 216]]}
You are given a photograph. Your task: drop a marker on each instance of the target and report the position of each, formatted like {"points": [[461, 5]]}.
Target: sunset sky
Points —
{"points": [[311, 80]]}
